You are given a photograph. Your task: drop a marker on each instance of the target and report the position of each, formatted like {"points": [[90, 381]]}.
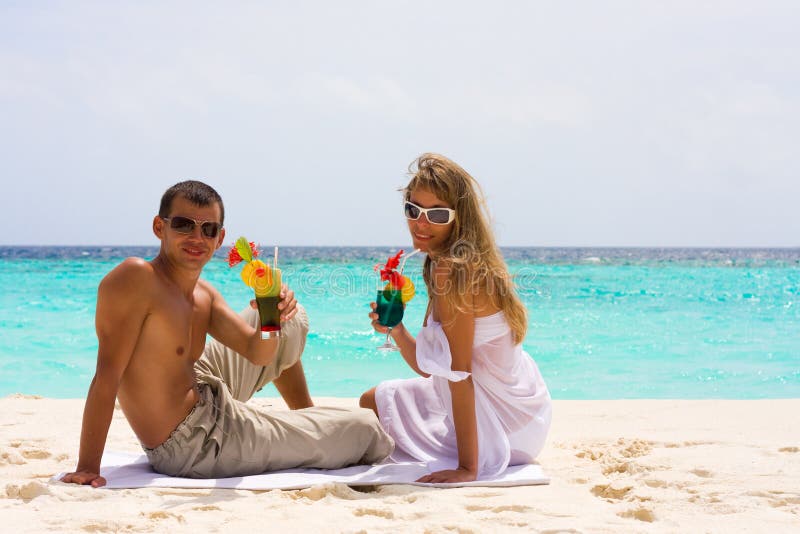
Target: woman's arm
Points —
{"points": [[459, 328], [405, 341]]}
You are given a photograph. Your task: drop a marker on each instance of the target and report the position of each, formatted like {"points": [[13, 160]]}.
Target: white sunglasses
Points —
{"points": [[434, 215]]}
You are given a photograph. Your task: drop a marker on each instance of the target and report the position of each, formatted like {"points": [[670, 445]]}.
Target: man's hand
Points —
{"points": [[449, 476], [84, 477], [287, 305]]}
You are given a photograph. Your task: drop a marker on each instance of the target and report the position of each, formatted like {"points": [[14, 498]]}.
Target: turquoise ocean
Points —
{"points": [[604, 323]]}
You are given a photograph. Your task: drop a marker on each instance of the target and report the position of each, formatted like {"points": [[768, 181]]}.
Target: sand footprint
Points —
{"points": [[775, 498], [611, 492], [386, 514], [315, 493], [640, 514], [160, 515], [682, 444], [36, 454], [622, 448], [498, 509], [11, 457], [623, 467], [207, 508], [27, 492], [591, 454], [656, 483], [107, 526], [634, 448]]}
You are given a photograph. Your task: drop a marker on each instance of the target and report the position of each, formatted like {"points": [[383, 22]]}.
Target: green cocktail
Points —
{"points": [[390, 307], [267, 299], [394, 290], [269, 313]]}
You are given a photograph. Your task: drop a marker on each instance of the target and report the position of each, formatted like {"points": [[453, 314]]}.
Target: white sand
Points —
{"points": [[616, 466]]}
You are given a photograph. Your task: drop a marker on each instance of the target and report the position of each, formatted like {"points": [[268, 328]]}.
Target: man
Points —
{"points": [[185, 399]]}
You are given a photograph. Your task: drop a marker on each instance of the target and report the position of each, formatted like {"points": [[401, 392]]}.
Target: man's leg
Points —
{"points": [[243, 379], [224, 437], [292, 386], [246, 439]]}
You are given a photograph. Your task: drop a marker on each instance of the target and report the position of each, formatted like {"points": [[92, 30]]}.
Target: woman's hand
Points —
{"points": [[84, 477], [378, 326], [449, 476]]}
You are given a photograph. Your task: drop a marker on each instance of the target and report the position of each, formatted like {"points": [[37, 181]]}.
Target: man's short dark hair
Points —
{"points": [[196, 193]]}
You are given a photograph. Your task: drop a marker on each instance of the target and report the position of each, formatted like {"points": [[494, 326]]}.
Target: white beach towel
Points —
{"points": [[124, 470]]}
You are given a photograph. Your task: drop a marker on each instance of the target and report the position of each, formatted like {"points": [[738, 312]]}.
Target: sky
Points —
{"points": [[637, 123]]}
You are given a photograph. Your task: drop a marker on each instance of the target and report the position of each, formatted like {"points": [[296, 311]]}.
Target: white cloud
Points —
{"points": [[374, 95]]}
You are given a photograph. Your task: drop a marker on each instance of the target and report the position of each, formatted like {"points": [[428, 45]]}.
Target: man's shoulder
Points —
{"points": [[206, 287], [133, 267], [134, 263], [131, 273]]}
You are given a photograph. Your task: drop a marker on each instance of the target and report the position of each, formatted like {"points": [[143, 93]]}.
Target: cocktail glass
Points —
{"points": [[390, 309], [390, 301], [267, 299]]}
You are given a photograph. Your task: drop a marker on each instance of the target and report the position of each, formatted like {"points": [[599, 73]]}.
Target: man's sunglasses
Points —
{"points": [[185, 225], [434, 215]]}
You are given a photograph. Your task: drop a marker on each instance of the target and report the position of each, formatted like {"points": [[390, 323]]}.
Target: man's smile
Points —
{"points": [[194, 251]]}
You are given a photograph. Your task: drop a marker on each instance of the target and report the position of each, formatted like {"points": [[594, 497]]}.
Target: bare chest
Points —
{"points": [[175, 331]]}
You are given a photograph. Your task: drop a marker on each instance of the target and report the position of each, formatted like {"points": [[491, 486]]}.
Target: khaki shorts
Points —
{"points": [[225, 437]]}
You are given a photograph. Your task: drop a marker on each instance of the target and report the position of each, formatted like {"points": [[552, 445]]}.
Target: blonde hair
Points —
{"points": [[470, 255]]}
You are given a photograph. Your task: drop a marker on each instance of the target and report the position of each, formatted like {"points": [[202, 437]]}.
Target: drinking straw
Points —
{"points": [[405, 258], [275, 261]]}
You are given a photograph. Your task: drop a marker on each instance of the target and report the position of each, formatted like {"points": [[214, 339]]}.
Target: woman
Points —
{"points": [[481, 404]]}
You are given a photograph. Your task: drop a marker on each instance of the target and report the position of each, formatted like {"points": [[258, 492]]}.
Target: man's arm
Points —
{"points": [[229, 329], [121, 311]]}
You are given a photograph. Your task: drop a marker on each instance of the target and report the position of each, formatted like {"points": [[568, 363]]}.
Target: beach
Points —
{"points": [[624, 172], [615, 466]]}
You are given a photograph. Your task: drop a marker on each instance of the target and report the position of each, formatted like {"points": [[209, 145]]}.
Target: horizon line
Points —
{"points": [[632, 247]]}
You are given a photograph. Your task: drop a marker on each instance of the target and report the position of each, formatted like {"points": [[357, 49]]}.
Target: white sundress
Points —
{"points": [[512, 405]]}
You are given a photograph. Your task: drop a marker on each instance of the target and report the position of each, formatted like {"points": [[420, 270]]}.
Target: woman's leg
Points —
{"points": [[367, 400]]}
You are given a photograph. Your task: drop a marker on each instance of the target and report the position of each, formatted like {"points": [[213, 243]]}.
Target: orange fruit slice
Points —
{"points": [[407, 291], [254, 271], [247, 270]]}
